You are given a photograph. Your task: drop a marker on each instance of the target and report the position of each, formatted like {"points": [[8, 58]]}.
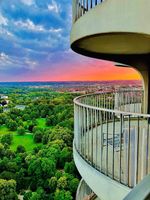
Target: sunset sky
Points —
{"points": [[34, 45]]}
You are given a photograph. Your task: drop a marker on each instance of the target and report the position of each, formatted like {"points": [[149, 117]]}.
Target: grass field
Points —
{"points": [[41, 123], [25, 140]]}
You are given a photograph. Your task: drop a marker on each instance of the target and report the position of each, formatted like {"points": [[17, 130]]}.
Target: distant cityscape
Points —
{"points": [[82, 87]]}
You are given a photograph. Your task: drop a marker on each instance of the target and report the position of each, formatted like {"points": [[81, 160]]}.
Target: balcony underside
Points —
{"points": [[113, 28], [116, 43], [119, 47]]}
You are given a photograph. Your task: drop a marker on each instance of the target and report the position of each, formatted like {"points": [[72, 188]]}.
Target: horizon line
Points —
{"points": [[70, 81]]}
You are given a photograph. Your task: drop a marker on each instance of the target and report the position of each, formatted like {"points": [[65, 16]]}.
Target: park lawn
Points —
{"points": [[41, 123], [25, 140]]}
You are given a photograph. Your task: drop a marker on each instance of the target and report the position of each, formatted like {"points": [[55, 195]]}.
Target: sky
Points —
{"points": [[35, 45]]}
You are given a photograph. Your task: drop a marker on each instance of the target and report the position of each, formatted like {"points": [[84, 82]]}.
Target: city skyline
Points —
{"points": [[34, 37]]}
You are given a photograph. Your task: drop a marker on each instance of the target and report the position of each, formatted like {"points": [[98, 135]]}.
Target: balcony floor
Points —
{"points": [[97, 148]]}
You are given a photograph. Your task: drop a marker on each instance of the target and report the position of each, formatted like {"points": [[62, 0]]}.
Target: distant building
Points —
{"points": [[4, 97], [20, 107]]}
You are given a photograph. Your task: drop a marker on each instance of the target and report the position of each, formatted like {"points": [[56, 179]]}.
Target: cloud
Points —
{"points": [[8, 62], [31, 64], [54, 7], [31, 26], [28, 24], [3, 20], [28, 2], [3, 57], [55, 30], [5, 33]]}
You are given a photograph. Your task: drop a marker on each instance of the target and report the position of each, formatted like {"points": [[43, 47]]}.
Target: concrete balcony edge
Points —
{"points": [[104, 187]]}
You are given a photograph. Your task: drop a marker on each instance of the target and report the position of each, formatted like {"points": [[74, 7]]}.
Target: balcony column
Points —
{"points": [[145, 74], [74, 10]]}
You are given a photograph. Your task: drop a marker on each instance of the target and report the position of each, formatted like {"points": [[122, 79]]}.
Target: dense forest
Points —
{"points": [[36, 135]]}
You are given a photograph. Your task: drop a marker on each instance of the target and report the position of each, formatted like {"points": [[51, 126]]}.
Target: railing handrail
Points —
{"points": [[116, 92], [105, 109]]}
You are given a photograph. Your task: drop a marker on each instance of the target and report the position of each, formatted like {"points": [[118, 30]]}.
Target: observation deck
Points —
{"points": [[111, 142]]}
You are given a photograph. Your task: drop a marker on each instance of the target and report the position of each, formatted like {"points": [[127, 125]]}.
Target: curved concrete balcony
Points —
{"points": [[111, 142], [102, 28]]}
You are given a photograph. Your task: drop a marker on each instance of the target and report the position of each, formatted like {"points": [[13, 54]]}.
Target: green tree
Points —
{"points": [[60, 143], [12, 125], [45, 138], [65, 156], [21, 130], [42, 168], [70, 168], [20, 149], [73, 185], [62, 183], [38, 135], [31, 125], [35, 196], [27, 195], [9, 153], [1, 109], [22, 179], [12, 166], [58, 174], [52, 183], [8, 190], [7, 138], [60, 133], [7, 175], [3, 118], [26, 117], [38, 195], [2, 150], [51, 120], [62, 195]]}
